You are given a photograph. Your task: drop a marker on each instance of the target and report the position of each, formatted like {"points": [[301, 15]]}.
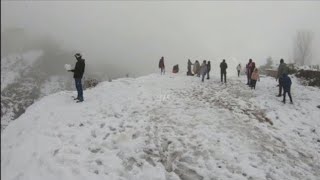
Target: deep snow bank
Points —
{"points": [[166, 127]]}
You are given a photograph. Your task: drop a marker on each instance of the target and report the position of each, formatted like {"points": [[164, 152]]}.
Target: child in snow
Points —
{"points": [[286, 84], [254, 77]]}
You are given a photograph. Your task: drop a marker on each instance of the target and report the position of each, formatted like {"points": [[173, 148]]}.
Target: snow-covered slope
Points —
{"points": [[167, 128], [23, 82], [17, 65]]}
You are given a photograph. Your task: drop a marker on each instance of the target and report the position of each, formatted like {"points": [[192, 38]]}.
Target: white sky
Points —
{"points": [[140, 32]]}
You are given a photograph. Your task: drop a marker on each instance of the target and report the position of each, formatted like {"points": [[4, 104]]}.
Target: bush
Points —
{"points": [[312, 77], [90, 83]]}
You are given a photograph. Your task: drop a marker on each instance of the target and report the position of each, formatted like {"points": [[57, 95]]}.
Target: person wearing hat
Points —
{"points": [[77, 75]]}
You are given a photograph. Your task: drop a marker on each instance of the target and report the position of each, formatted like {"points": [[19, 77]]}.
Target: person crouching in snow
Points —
{"points": [[286, 84], [203, 69], [254, 78]]}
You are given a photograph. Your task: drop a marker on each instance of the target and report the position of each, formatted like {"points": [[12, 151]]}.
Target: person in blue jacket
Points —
{"points": [[286, 82]]}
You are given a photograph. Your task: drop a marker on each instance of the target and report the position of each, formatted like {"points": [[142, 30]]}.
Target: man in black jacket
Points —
{"points": [[223, 68], [77, 75]]}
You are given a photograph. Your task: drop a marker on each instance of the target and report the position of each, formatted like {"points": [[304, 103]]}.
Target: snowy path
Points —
{"points": [[166, 127]]}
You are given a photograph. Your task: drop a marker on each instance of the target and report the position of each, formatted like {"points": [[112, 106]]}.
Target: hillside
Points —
{"points": [[167, 128], [23, 81]]}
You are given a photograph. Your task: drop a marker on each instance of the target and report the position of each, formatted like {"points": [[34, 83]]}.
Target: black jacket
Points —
{"points": [[79, 69], [223, 66], [208, 67]]}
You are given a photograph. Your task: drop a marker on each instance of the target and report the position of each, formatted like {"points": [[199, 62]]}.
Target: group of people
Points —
{"points": [[202, 70], [205, 68], [282, 76], [284, 81], [199, 70], [252, 74]]}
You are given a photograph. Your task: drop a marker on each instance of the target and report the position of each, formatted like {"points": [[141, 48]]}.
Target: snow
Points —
{"points": [[67, 67], [15, 65], [22, 82], [167, 127], [52, 85]]}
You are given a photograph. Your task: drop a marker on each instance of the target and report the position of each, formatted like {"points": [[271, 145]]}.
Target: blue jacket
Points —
{"points": [[286, 82]]}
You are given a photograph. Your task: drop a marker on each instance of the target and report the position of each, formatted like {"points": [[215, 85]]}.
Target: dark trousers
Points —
{"points": [[162, 70], [238, 73], [79, 88], [249, 78], [280, 87], [224, 74], [253, 84], [208, 76], [284, 95], [203, 75]]}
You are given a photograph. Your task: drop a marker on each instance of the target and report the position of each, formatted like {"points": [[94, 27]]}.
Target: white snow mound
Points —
{"points": [[167, 127]]}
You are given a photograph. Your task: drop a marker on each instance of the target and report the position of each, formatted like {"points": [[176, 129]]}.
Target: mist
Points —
{"points": [[119, 38]]}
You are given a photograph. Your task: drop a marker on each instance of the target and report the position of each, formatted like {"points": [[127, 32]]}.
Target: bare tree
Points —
{"points": [[303, 47]]}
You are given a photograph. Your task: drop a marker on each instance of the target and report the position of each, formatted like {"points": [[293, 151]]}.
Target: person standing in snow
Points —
{"points": [[208, 69], [252, 67], [189, 73], [248, 67], [286, 83], [77, 75], [239, 69], [161, 65], [282, 69], [254, 78], [203, 69], [196, 68], [223, 70]]}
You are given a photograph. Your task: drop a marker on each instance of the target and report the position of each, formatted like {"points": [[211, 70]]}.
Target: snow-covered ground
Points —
{"points": [[167, 128], [22, 82]]}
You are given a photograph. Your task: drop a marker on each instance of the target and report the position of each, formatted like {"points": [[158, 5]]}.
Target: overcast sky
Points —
{"points": [[140, 32]]}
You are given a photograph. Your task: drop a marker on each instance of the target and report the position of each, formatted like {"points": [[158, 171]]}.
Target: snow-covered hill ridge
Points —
{"points": [[14, 66], [167, 127], [23, 81]]}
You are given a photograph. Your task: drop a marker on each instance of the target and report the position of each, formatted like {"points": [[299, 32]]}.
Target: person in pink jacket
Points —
{"points": [[254, 78]]}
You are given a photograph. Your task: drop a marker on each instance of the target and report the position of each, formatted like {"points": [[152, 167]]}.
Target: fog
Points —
{"points": [[130, 37]]}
